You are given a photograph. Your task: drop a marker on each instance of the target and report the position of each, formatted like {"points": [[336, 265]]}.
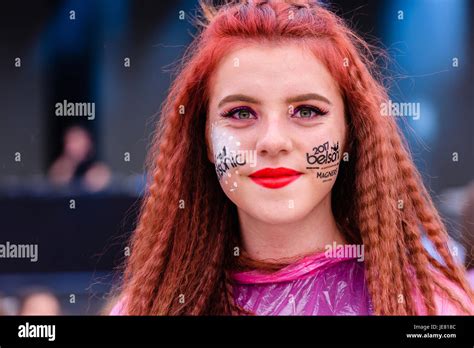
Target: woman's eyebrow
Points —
{"points": [[297, 98], [237, 97], [307, 96]]}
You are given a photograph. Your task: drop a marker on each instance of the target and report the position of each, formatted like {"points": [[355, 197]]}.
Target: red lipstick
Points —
{"points": [[275, 177]]}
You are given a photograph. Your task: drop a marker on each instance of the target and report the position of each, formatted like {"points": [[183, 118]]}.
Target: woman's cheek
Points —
{"points": [[231, 158], [323, 159]]}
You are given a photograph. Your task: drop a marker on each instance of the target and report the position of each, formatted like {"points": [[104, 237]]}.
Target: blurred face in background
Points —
{"points": [[77, 144], [40, 304], [276, 131]]}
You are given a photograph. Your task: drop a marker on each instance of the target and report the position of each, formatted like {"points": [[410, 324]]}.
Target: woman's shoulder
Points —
{"points": [[120, 307]]}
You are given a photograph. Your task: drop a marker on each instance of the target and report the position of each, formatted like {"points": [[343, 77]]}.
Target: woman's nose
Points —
{"points": [[273, 137]]}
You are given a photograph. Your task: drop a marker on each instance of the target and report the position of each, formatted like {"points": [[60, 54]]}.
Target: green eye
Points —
{"points": [[309, 112], [243, 114], [240, 113], [305, 112]]}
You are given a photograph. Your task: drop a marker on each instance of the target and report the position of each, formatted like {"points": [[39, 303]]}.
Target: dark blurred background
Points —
{"points": [[72, 184]]}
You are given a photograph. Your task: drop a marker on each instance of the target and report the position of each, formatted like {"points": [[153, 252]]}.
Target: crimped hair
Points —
{"points": [[183, 249]]}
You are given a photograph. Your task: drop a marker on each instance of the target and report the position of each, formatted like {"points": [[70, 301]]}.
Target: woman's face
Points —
{"points": [[276, 131]]}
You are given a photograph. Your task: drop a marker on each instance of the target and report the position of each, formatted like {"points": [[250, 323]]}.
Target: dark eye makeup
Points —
{"points": [[302, 112], [309, 112], [240, 113]]}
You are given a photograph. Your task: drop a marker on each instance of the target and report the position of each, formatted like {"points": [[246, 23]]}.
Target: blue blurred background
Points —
{"points": [[72, 185]]}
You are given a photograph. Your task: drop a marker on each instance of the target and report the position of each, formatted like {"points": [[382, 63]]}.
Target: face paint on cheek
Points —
{"points": [[228, 156], [324, 160]]}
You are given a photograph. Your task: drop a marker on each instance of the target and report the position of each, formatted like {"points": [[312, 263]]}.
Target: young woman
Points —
{"points": [[277, 184]]}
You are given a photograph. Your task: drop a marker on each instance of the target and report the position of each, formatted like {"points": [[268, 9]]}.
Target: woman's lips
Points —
{"points": [[275, 177]]}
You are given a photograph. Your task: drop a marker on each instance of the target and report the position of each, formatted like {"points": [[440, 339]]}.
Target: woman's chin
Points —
{"points": [[276, 212]]}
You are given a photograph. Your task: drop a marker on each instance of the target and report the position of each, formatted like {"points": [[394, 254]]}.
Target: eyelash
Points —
{"points": [[316, 110], [231, 112]]}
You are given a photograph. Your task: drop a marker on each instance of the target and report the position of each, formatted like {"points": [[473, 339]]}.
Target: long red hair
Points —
{"points": [[185, 242]]}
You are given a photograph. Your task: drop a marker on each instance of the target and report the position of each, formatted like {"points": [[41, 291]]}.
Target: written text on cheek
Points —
{"points": [[324, 159]]}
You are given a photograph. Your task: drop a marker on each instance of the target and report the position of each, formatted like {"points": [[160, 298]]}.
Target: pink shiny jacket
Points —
{"points": [[317, 285]]}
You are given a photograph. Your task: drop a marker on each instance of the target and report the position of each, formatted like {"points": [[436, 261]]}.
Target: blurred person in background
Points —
{"points": [[39, 302], [78, 164]]}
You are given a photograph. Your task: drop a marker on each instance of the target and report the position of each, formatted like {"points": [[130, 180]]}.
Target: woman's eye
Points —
{"points": [[243, 114], [239, 114], [308, 112]]}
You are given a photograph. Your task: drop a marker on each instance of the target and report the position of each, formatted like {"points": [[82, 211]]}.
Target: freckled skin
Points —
{"points": [[271, 74]]}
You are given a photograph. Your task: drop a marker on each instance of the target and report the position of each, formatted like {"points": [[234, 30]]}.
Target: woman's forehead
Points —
{"points": [[271, 72]]}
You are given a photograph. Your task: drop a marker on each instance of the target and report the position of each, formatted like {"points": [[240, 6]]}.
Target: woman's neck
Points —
{"points": [[310, 234]]}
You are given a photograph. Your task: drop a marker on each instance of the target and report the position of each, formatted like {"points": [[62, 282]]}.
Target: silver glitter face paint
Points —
{"points": [[229, 156], [226, 158]]}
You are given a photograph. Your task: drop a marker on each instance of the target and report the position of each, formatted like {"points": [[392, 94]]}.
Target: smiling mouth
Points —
{"points": [[275, 178]]}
